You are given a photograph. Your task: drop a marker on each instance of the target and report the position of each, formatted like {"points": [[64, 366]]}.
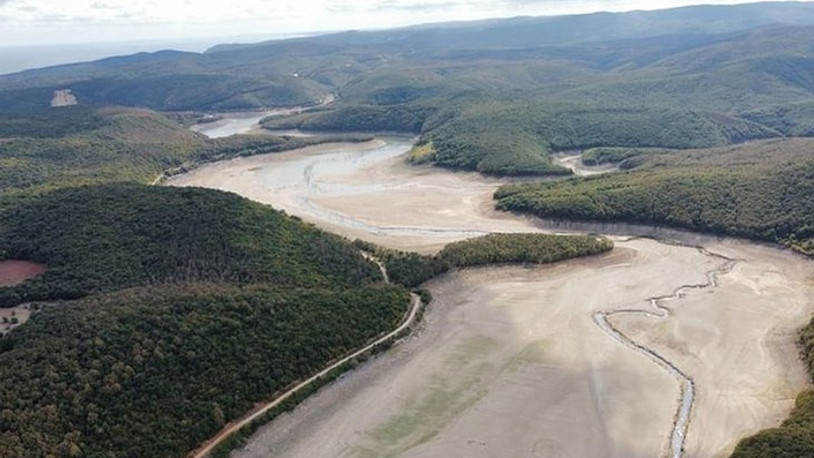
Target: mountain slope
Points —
{"points": [[758, 190]]}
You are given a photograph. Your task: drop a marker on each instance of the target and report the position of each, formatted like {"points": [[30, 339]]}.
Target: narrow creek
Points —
{"points": [[659, 310]]}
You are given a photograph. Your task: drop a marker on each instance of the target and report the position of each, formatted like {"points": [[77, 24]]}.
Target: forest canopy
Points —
{"points": [[163, 305]]}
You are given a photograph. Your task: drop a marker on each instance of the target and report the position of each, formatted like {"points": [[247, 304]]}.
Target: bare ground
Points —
{"points": [[13, 317], [574, 163], [510, 362], [14, 272]]}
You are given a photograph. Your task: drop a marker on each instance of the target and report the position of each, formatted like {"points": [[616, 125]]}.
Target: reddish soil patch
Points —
{"points": [[15, 272]]}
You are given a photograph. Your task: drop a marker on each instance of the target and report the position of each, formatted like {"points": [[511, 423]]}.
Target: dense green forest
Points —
{"points": [[155, 371], [109, 237], [412, 269], [49, 123], [522, 248], [510, 123], [167, 312], [625, 158], [758, 190]]}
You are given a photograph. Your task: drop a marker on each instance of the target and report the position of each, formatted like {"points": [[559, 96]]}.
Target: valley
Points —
{"points": [[589, 235], [519, 339]]}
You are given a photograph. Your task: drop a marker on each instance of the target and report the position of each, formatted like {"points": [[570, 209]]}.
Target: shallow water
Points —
{"points": [[231, 124]]}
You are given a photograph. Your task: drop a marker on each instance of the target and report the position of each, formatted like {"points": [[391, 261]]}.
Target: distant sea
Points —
{"points": [[17, 58]]}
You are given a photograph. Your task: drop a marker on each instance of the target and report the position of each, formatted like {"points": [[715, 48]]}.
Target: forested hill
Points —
{"points": [[531, 32], [760, 190], [165, 313], [495, 96], [189, 306], [48, 149], [105, 238]]}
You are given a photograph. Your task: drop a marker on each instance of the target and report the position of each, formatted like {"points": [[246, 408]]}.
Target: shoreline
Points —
{"points": [[373, 195]]}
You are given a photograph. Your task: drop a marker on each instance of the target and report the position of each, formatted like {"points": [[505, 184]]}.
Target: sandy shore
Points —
{"points": [[510, 361], [367, 191]]}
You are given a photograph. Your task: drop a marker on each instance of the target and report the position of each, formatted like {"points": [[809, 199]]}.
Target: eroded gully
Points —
{"points": [[658, 310]]}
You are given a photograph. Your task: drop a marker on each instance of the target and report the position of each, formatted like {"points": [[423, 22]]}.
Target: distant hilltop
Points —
{"points": [[63, 98]]}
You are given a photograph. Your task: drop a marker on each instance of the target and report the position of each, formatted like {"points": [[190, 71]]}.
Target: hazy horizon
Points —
{"points": [[18, 58], [44, 22], [91, 30]]}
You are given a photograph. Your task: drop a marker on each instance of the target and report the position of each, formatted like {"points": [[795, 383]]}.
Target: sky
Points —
{"points": [[48, 22]]}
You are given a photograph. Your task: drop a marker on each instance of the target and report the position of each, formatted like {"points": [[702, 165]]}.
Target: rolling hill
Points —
{"points": [[49, 149], [495, 96], [164, 305]]}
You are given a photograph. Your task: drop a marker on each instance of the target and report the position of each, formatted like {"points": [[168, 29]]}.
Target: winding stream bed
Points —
{"points": [[548, 361]]}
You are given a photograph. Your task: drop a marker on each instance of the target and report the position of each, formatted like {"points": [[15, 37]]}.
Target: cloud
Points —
{"points": [[420, 6], [35, 21]]}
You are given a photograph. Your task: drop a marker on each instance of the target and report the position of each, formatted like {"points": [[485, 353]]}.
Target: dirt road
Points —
{"points": [[234, 426]]}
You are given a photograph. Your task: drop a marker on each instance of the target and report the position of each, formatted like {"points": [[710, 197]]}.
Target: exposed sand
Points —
{"points": [[63, 98], [13, 272], [738, 343], [13, 317], [510, 361], [248, 122], [367, 191], [574, 163]]}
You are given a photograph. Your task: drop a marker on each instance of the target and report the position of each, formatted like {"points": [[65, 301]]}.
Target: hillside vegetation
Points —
{"points": [[412, 269], [167, 312], [189, 306], [522, 248], [684, 92], [759, 190], [116, 236], [494, 96]]}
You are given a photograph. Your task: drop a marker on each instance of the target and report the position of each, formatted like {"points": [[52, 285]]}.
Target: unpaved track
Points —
{"points": [[231, 428], [511, 361]]}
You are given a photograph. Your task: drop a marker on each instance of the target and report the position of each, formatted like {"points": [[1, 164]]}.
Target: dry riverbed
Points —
{"points": [[510, 361]]}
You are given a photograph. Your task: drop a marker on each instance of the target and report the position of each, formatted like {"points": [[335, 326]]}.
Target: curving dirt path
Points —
{"points": [[518, 362], [234, 426]]}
